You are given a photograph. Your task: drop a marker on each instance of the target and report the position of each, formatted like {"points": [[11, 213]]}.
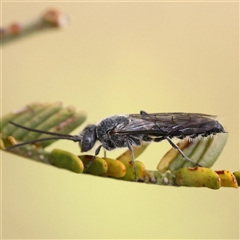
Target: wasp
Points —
{"points": [[133, 129]]}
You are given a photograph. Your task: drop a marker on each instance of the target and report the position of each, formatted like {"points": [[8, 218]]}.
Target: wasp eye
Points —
{"points": [[87, 143], [88, 138]]}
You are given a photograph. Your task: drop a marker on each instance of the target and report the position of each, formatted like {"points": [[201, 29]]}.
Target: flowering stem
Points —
{"points": [[51, 19]]}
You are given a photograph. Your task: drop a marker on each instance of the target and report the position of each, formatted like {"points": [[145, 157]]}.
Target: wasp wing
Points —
{"points": [[171, 125]]}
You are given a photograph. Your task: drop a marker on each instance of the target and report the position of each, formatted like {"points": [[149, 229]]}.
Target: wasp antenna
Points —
{"points": [[58, 136], [72, 138], [40, 131]]}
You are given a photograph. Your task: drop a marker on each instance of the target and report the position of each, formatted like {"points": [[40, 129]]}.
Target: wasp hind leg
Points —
{"points": [[180, 151]]}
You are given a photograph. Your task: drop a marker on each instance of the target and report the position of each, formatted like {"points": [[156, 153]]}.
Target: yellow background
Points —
{"points": [[114, 58]]}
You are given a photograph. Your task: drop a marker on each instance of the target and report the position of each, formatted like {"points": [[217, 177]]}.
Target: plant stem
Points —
{"points": [[51, 19]]}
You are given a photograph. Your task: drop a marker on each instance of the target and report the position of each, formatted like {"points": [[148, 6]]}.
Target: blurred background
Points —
{"points": [[115, 58]]}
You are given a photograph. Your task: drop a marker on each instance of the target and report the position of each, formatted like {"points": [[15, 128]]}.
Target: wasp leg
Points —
{"points": [[159, 139], [143, 112], [93, 158], [180, 151], [147, 139], [133, 161]]}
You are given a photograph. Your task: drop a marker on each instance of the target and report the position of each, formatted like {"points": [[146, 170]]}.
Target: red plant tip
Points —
{"points": [[55, 18], [15, 28]]}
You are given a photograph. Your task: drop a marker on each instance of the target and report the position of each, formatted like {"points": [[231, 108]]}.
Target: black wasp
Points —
{"points": [[131, 130]]}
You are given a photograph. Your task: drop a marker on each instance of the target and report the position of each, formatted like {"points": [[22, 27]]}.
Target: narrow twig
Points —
{"points": [[51, 19], [36, 118]]}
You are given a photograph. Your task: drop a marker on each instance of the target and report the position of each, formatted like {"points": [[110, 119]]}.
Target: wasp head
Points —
{"points": [[89, 137]]}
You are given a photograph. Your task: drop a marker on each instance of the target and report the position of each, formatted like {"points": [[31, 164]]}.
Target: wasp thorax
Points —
{"points": [[89, 138]]}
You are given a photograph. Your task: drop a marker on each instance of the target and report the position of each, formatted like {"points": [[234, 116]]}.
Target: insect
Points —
{"points": [[131, 130]]}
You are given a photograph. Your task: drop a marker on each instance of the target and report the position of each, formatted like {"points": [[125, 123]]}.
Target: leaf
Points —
{"points": [[172, 168], [198, 177], [67, 160], [203, 151], [43, 116]]}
